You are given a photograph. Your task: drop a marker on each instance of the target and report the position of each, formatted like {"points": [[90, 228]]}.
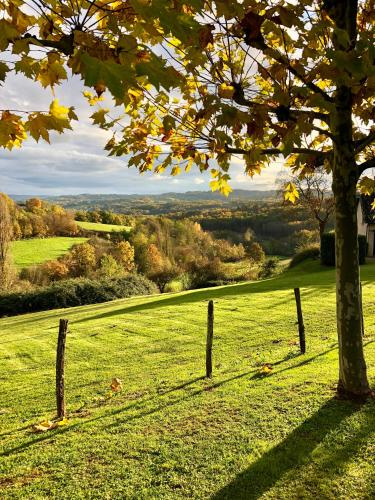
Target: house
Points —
{"points": [[366, 221]]}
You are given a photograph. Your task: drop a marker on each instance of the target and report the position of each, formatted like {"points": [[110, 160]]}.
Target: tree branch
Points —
{"points": [[280, 58], [64, 45], [240, 99], [276, 151], [366, 166], [361, 144]]}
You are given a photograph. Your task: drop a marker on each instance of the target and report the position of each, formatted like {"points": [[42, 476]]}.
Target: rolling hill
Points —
{"points": [[38, 250]]}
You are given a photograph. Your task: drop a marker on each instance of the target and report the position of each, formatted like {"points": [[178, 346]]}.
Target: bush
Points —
{"points": [[205, 273], [327, 249], [309, 252], [268, 268], [75, 292]]}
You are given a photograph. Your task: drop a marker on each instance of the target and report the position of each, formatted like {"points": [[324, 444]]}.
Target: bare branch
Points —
{"points": [[276, 151]]}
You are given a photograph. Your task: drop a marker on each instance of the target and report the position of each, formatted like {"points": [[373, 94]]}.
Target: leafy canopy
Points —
{"points": [[196, 83]]}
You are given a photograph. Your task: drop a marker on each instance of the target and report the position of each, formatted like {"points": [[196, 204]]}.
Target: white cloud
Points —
{"points": [[75, 162]]}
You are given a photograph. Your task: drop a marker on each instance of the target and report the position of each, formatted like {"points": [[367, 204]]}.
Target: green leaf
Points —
{"points": [[3, 71]]}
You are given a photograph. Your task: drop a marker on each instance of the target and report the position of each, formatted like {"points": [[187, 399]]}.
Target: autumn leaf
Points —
{"points": [[206, 36], [116, 385], [225, 91], [57, 111], [290, 193]]}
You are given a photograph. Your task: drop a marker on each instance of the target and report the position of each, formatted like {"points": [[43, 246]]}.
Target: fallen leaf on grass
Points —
{"points": [[48, 425], [266, 368], [116, 385]]}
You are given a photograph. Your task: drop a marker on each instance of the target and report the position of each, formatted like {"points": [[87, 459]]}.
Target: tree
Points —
{"points": [[255, 252], [314, 192], [258, 79], [81, 260], [124, 254], [6, 234]]}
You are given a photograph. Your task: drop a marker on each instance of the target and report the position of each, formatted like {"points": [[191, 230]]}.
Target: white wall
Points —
{"points": [[362, 226]]}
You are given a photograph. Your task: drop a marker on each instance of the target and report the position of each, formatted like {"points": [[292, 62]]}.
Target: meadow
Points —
{"points": [[102, 228], [170, 433], [38, 250]]}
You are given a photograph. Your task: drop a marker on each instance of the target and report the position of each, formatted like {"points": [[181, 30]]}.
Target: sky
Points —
{"points": [[75, 162]]}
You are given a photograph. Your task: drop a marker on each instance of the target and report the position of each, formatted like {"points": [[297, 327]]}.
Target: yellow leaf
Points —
{"points": [[290, 193], [225, 91], [116, 385], [59, 112], [62, 422]]}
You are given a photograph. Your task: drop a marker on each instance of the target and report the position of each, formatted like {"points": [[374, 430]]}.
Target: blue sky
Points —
{"points": [[76, 162]]}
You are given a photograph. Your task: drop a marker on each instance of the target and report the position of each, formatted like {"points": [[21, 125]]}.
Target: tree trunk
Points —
{"points": [[352, 368], [322, 227]]}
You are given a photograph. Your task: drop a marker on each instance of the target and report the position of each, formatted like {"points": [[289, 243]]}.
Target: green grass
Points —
{"points": [[38, 250], [172, 434], [105, 228]]}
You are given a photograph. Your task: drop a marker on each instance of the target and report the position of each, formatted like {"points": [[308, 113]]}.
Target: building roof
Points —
{"points": [[367, 210]]}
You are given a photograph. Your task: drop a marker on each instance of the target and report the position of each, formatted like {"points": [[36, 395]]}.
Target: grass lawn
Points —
{"points": [[105, 228], [38, 250], [172, 434]]}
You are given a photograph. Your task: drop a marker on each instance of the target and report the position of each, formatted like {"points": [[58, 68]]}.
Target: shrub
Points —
{"points": [[109, 267], [255, 251], [309, 252], [205, 273], [327, 249], [55, 270], [268, 268], [75, 292]]}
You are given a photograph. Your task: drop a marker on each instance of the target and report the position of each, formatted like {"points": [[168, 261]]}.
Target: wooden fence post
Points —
{"points": [[361, 304], [210, 335], [301, 326], [60, 368]]}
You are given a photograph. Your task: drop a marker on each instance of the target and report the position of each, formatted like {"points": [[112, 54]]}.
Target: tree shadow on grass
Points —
{"points": [[159, 407], [289, 455], [194, 296]]}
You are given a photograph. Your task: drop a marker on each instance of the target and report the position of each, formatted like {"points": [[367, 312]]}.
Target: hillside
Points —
{"points": [[102, 228], [156, 204], [172, 434], [38, 250]]}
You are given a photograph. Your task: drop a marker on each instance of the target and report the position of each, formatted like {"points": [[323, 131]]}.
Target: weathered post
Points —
{"points": [[361, 299], [301, 326], [60, 368], [210, 335]]}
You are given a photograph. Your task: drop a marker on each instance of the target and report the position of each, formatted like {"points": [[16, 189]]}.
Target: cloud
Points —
{"points": [[75, 162]]}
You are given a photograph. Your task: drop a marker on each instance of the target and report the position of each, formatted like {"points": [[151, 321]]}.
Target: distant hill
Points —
{"points": [[237, 194], [154, 204]]}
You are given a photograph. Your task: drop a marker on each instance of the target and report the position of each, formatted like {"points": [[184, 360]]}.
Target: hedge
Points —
{"points": [[327, 249], [75, 292], [311, 252]]}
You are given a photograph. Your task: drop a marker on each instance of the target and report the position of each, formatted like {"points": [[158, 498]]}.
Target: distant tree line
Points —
{"points": [[104, 217]]}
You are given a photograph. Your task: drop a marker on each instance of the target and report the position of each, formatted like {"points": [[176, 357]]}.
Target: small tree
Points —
{"points": [[255, 252], [109, 267], [164, 274], [6, 234], [82, 259], [314, 193], [124, 254]]}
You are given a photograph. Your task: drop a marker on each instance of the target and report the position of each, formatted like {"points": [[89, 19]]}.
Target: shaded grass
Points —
{"points": [[171, 433], [38, 250]]}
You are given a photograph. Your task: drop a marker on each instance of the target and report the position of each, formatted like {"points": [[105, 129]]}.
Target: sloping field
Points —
{"points": [[172, 434], [38, 250], [102, 228]]}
